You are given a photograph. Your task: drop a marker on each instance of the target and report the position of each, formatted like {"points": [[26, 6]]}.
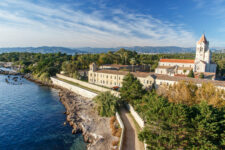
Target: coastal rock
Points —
{"points": [[82, 116]]}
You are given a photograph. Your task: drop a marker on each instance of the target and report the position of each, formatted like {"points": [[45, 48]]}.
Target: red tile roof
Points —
{"points": [[178, 60]]}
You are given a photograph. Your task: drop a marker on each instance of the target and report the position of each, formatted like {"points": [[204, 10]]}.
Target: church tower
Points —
{"points": [[202, 50]]}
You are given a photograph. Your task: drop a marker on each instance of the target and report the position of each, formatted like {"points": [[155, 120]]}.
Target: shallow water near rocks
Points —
{"points": [[31, 118]]}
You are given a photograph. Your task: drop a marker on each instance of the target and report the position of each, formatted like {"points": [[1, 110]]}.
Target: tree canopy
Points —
{"points": [[107, 104], [178, 126], [131, 89]]}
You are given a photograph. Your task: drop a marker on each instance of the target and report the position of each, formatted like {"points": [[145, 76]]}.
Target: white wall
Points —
{"points": [[88, 94], [89, 85], [136, 116], [75, 89], [174, 64], [122, 127]]}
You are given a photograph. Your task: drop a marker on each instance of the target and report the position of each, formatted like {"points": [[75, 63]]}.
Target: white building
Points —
{"points": [[201, 64]]}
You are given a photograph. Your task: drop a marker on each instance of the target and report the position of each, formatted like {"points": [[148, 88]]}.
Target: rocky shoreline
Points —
{"points": [[83, 118], [4, 72]]}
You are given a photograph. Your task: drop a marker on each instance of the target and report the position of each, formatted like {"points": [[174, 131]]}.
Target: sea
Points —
{"points": [[32, 118]]}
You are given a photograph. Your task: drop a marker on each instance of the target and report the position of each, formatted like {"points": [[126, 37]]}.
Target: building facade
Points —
{"points": [[114, 78], [201, 64]]}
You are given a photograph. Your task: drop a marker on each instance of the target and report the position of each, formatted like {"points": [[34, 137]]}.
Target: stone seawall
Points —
{"points": [[78, 90], [94, 128], [89, 85]]}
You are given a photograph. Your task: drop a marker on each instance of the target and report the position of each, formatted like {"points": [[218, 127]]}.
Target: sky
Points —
{"points": [[111, 23]]}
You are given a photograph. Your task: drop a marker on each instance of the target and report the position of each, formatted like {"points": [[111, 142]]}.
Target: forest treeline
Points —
{"points": [[49, 64]]}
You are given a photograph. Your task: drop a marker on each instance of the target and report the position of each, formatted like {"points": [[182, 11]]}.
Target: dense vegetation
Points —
{"points": [[184, 117], [107, 104], [131, 89], [37, 63], [178, 126], [190, 94]]}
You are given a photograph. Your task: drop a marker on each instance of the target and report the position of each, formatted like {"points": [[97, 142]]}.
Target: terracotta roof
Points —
{"points": [[136, 74], [196, 81], [178, 60], [203, 39]]}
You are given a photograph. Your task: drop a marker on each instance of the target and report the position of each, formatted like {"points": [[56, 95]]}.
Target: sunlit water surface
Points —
{"points": [[31, 118]]}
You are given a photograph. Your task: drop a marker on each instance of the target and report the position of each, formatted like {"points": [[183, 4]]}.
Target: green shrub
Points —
{"points": [[107, 104]]}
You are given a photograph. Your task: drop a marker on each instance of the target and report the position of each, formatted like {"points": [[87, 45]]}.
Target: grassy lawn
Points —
{"points": [[78, 85]]}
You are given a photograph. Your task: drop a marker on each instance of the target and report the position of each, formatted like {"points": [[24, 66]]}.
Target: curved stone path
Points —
{"points": [[131, 141]]}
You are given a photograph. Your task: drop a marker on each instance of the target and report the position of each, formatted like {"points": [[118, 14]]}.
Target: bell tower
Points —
{"points": [[202, 50]]}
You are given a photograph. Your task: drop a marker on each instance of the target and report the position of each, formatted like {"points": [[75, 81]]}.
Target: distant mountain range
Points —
{"points": [[142, 49], [72, 51], [43, 49]]}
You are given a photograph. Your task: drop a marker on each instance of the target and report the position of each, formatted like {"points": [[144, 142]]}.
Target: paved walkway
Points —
{"points": [[131, 141]]}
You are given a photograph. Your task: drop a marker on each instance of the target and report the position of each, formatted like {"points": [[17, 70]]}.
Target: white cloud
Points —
{"points": [[23, 23]]}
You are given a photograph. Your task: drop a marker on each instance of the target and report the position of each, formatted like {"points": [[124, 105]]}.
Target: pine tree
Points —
{"points": [[131, 89]]}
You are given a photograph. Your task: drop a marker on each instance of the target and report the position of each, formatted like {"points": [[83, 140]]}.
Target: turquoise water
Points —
{"points": [[31, 118]]}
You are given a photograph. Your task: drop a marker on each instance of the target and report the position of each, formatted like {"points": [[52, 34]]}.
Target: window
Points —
{"points": [[90, 74], [114, 83], [106, 82], [107, 76], [147, 81], [150, 82], [160, 83], [115, 77], [119, 78], [111, 77], [110, 83]]}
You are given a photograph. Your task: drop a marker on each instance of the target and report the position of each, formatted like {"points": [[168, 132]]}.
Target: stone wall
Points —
{"points": [[122, 127], [86, 84], [136, 116], [88, 94], [73, 88]]}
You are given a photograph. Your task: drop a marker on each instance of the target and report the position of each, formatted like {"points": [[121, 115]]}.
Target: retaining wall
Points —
{"points": [[86, 84], [73, 88], [88, 94], [122, 126], [136, 116]]}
